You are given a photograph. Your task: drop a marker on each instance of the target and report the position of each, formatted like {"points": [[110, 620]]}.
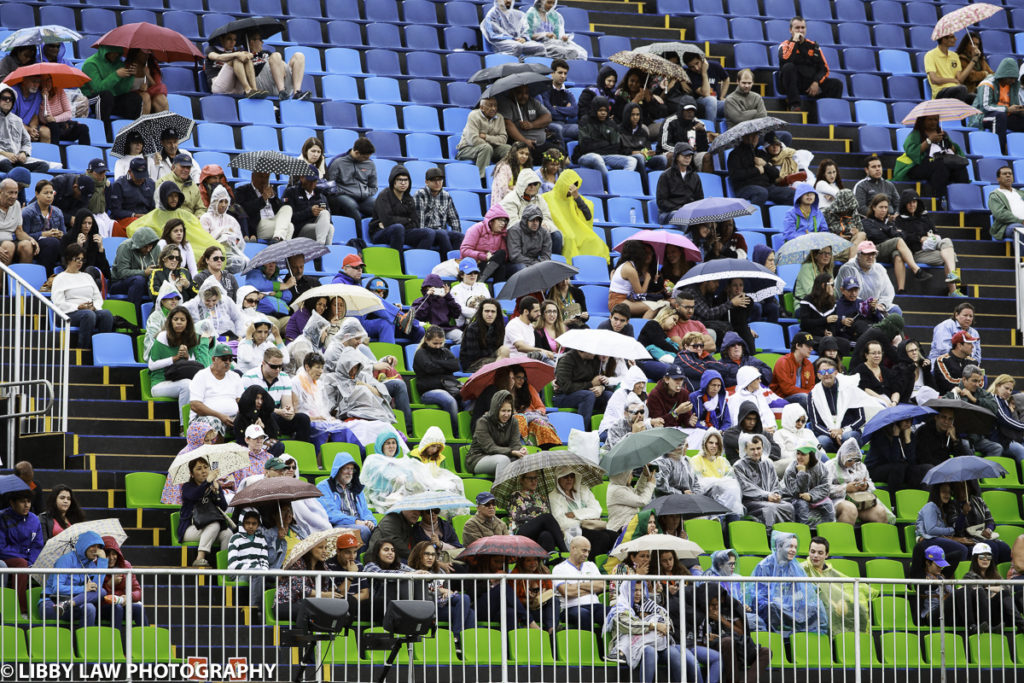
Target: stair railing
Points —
{"points": [[35, 359], [1018, 274]]}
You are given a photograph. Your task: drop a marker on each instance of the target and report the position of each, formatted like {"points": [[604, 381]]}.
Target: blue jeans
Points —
{"points": [[829, 444], [602, 163], [672, 657], [586, 617], [133, 287], [460, 613], [584, 402], [400, 394], [710, 107], [699, 655], [767, 310], [445, 401], [396, 236], [81, 610], [798, 398], [760, 195], [379, 329], [89, 323], [989, 448], [354, 209], [568, 131], [556, 242]]}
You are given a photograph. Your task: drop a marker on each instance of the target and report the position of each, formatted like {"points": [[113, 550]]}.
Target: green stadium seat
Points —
{"points": [[749, 538], [384, 262], [52, 644], [329, 450], [990, 651], [35, 594], [175, 516], [146, 385], [902, 650], [961, 569], [908, 503], [344, 649], [774, 642], [845, 648], [381, 349], [1009, 532], [886, 569], [152, 644], [305, 456], [601, 493], [227, 579], [1004, 505], [845, 567], [425, 418], [268, 609], [841, 539], [481, 646], [811, 650], [802, 531], [10, 612], [13, 645], [707, 533], [530, 646], [955, 652], [1010, 481], [459, 523], [891, 612], [576, 647], [99, 644], [437, 650], [466, 425], [745, 564], [124, 309], [143, 489], [881, 540], [473, 487]]}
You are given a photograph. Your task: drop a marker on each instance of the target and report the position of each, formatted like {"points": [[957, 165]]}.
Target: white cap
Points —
{"points": [[254, 432], [981, 549]]}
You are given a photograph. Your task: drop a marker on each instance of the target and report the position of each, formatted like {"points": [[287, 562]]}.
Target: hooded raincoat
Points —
{"points": [[758, 481], [848, 468], [525, 246], [788, 607], [573, 217], [223, 227], [841, 599], [715, 476], [480, 239], [353, 398], [344, 506], [129, 260], [843, 214], [514, 201], [732, 435], [763, 397], [491, 436], [796, 223], [788, 437], [540, 23], [503, 27], [69, 585], [224, 317], [991, 97], [156, 319], [199, 238], [814, 481]]}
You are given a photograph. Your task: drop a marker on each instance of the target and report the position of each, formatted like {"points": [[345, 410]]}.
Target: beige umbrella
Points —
{"points": [[683, 548], [358, 300], [223, 459], [300, 549]]}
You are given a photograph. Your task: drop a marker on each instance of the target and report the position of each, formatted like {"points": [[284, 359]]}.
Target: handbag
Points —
{"points": [[206, 512], [954, 161], [863, 500], [182, 369]]}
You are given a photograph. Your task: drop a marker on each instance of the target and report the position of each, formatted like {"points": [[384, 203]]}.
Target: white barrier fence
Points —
{"points": [[208, 625]]}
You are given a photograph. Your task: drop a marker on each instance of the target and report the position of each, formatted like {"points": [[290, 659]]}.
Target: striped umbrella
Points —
{"points": [[796, 250], [962, 17], [947, 109], [546, 464], [711, 210]]}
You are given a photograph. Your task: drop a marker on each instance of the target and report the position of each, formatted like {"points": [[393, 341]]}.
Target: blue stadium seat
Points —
{"points": [[847, 10], [463, 94], [419, 119], [419, 12], [48, 14], [185, 23], [454, 120], [338, 141], [340, 88], [618, 235], [712, 185], [626, 183], [565, 423], [421, 38], [314, 65], [896, 62], [113, 349], [965, 197], [744, 8], [984, 144], [711, 28], [93, 20], [770, 337], [420, 260], [575, 20], [178, 79], [900, 111], [343, 60], [834, 111], [462, 38], [382, 116], [343, 9], [712, 7], [776, 30], [267, 8], [260, 137], [871, 112], [820, 31], [427, 65], [423, 146], [249, 110], [467, 204], [305, 31], [178, 103], [215, 158], [866, 86], [621, 209], [886, 12], [344, 33], [750, 56], [48, 152], [780, 8], [996, 42], [886, 35], [596, 297], [138, 16], [462, 176], [673, 7], [382, 89], [215, 136], [754, 239], [747, 28], [921, 37], [32, 273], [498, 58], [921, 13], [384, 35], [293, 137], [987, 169], [859, 59], [298, 113], [462, 13], [79, 156], [382, 10], [593, 269], [418, 169], [462, 65], [218, 109], [1015, 144], [299, 8], [592, 180], [609, 45], [904, 87]]}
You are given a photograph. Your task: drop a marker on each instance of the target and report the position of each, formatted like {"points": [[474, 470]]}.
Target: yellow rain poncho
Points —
{"points": [[578, 233], [194, 231]]}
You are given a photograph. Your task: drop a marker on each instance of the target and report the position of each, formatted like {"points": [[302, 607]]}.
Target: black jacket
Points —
{"points": [[389, 209], [432, 367], [127, 198], [249, 198], [914, 227], [596, 136], [877, 231], [64, 197], [674, 190], [472, 350], [743, 172], [302, 206]]}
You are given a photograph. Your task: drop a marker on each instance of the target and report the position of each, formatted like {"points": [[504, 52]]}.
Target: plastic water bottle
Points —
{"points": [[632, 215]]}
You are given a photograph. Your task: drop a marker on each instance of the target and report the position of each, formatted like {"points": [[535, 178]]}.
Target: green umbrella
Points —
{"points": [[640, 448]]}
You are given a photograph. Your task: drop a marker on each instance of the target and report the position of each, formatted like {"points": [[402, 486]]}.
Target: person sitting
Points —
{"points": [[927, 247], [580, 384], [937, 525], [1005, 204], [790, 435], [229, 69], [654, 337], [600, 144], [1000, 101], [437, 212], [805, 217], [526, 120], [709, 403], [294, 589], [993, 604], [892, 457], [852, 489], [132, 195], [871, 276], [634, 87], [788, 607], [181, 175], [344, 499], [631, 279], [807, 486], [62, 510], [438, 308], [435, 366], [803, 69], [528, 244], [817, 311], [482, 339], [793, 374], [110, 85], [854, 315], [395, 220], [544, 25], [215, 391], [247, 549], [842, 599], [452, 605], [574, 212], [171, 206], [505, 29], [21, 540], [975, 519], [77, 597], [310, 215], [880, 228], [437, 531], [680, 184], [929, 154], [529, 514], [872, 185], [212, 304], [715, 475], [625, 499], [75, 294], [486, 243], [750, 388], [175, 357], [496, 438], [636, 612], [44, 224], [201, 495], [940, 596], [484, 138], [670, 400], [946, 73], [485, 522], [835, 410], [17, 57], [636, 142], [763, 495], [749, 421], [581, 599], [273, 74], [171, 272]]}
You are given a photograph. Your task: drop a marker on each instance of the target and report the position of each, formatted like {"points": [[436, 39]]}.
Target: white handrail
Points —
{"points": [[1018, 274]]}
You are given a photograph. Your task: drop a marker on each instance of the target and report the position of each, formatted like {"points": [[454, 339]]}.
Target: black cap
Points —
{"points": [[802, 339], [434, 173], [182, 160], [97, 165], [138, 167], [169, 134]]}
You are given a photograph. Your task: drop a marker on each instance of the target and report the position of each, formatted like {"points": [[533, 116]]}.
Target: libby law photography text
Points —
{"points": [[195, 669]]}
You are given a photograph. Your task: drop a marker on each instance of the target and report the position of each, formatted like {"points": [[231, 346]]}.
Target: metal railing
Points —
{"points": [[191, 624], [1018, 274], [35, 357]]}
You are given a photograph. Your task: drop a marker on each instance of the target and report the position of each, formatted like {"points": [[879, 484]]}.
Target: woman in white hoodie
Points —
{"points": [[793, 432], [213, 305], [223, 227], [634, 382], [749, 388]]}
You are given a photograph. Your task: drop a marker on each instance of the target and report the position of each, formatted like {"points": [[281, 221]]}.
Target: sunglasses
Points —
{"points": [[697, 346], [172, 258], [273, 366], [217, 258], [251, 301], [825, 372]]}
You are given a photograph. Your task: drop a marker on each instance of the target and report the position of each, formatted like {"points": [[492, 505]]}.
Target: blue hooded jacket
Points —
{"points": [[20, 536], [729, 368], [70, 585], [795, 223], [718, 417], [332, 498]]}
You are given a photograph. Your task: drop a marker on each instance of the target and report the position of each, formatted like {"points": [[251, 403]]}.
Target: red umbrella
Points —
{"points": [[538, 374], [63, 76], [508, 546], [659, 238], [163, 43]]}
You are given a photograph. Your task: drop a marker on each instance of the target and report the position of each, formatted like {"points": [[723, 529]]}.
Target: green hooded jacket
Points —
{"points": [[491, 437], [104, 73], [986, 99], [130, 260]]}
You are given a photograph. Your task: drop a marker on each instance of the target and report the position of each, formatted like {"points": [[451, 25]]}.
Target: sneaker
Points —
{"points": [[795, 107], [923, 274], [301, 95], [952, 277], [957, 294], [200, 563], [258, 94], [283, 94]]}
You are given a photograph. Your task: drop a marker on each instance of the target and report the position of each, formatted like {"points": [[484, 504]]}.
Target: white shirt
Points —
{"points": [[1015, 202], [70, 290], [10, 221], [517, 330], [567, 568], [217, 394]]}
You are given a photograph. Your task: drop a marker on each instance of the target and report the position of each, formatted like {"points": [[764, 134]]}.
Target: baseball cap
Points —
{"points": [[850, 283], [689, 105], [221, 350], [934, 553], [182, 160], [683, 148], [276, 464], [961, 337], [172, 295], [347, 541], [97, 166], [255, 432], [20, 175], [484, 497], [351, 260], [434, 173], [867, 247], [676, 371], [376, 284], [86, 185], [138, 167], [981, 549], [807, 448], [169, 134], [804, 338], [469, 265]]}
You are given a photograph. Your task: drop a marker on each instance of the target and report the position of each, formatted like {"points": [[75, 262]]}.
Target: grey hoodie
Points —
{"points": [[13, 136], [356, 179], [525, 246]]}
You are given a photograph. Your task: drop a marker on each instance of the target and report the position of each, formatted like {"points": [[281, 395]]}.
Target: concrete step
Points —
{"points": [[130, 409], [120, 426], [129, 445], [115, 392]]}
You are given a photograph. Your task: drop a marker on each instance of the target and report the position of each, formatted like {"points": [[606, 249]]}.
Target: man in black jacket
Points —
{"points": [[579, 384], [678, 185], [310, 215], [938, 439], [754, 177], [803, 69], [71, 194], [269, 218], [600, 146], [132, 194], [396, 221]]}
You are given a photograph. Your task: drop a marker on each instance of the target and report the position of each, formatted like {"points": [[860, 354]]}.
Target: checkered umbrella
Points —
{"points": [[962, 17], [711, 210], [545, 464], [64, 542], [39, 35], [282, 251], [650, 63], [947, 109], [151, 127], [270, 161], [732, 137]]}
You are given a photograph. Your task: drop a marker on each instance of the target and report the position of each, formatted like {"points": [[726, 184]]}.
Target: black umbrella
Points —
{"points": [[688, 506], [967, 417], [537, 83], [732, 137], [150, 127], [282, 251], [270, 161], [267, 26], [538, 277], [488, 75]]}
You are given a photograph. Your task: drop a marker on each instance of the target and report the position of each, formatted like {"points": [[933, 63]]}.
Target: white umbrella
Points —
{"points": [[683, 548], [604, 343], [64, 542], [358, 301], [224, 458]]}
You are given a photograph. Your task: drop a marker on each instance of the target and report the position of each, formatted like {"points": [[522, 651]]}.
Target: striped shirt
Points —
{"points": [[277, 390], [247, 552]]}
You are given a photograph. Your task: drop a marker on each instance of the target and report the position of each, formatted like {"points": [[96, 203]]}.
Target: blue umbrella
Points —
{"points": [[732, 137], [711, 210], [796, 250], [12, 482], [963, 468], [888, 416], [759, 283], [39, 35]]}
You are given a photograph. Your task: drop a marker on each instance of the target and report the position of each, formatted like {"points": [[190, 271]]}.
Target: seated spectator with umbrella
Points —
{"points": [[19, 55], [273, 74], [309, 554], [229, 69], [892, 453], [119, 594], [752, 175], [975, 519], [173, 129], [52, 108], [75, 597], [15, 141], [109, 87]]}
